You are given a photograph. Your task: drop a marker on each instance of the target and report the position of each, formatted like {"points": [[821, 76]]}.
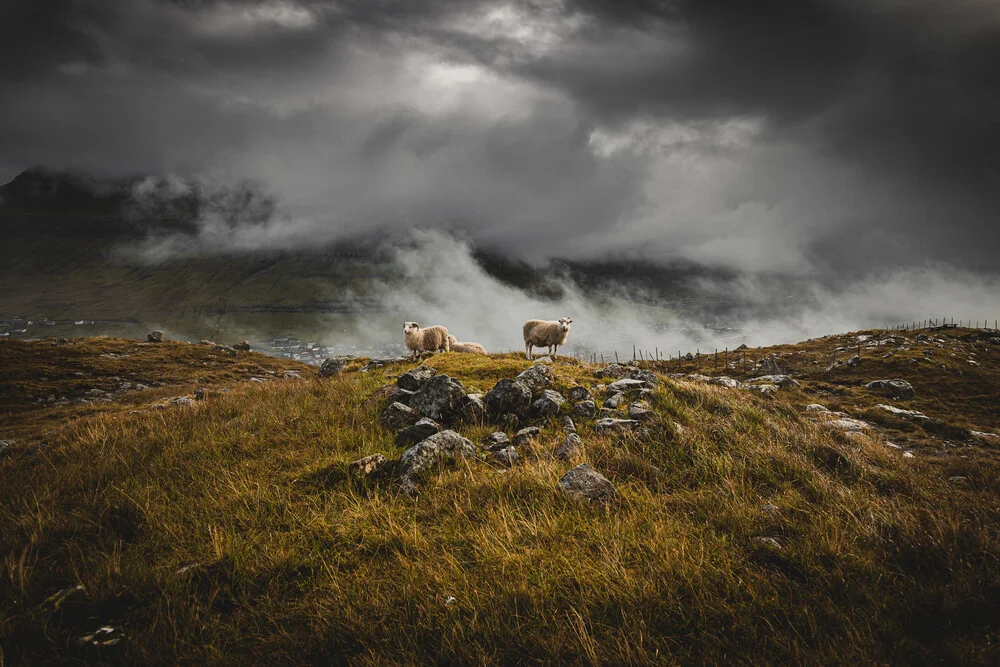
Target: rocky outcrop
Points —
{"points": [[507, 397], [536, 378], [421, 430], [585, 483], [896, 388], [333, 366], [584, 409], [440, 397], [397, 416], [414, 379], [154, 336], [911, 415], [548, 404], [437, 449], [578, 393]]}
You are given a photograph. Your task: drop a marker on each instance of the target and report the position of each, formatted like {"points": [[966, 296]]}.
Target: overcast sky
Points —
{"points": [[800, 136]]}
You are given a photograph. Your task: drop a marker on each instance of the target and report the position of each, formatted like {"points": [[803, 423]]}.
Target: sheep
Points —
{"points": [[431, 339], [545, 333], [472, 348]]}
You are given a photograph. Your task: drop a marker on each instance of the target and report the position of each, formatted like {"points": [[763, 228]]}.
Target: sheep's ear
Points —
{"points": [[415, 324]]}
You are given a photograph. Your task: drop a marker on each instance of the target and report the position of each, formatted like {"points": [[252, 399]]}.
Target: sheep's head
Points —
{"points": [[452, 340], [564, 323], [410, 327]]}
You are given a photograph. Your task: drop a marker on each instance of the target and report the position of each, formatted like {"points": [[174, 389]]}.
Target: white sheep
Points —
{"points": [[431, 339], [471, 348], [545, 333]]}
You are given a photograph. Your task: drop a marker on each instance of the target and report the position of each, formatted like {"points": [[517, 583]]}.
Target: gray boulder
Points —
{"points": [[397, 416], [536, 378], [780, 380], [242, 346], [627, 384], [507, 397], [506, 456], [585, 483], [765, 390], [904, 414], [578, 393], [726, 381], [438, 398], [396, 395], [526, 435], [639, 411], [473, 411], [225, 349], [618, 371], [548, 403], [421, 430], [584, 409], [367, 466], [414, 379], [568, 425], [854, 361], [427, 454], [896, 388], [570, 448], [154, 336], [333, 366], [611, 425], [614, 401], [496, 440]]}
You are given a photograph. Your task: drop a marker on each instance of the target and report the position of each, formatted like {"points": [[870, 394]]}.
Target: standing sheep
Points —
{"points": [[472, 348], [431, 339], [545, 333]]}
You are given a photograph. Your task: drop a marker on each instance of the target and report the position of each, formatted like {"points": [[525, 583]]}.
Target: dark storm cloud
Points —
{"points": [[769, 135]]}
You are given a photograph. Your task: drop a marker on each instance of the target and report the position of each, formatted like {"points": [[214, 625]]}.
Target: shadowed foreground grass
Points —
{"points": [[874, 558]]}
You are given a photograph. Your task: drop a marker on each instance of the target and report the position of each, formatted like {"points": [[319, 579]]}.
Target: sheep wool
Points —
{"points": [[468, 348], [430, 339], [545, 333]]}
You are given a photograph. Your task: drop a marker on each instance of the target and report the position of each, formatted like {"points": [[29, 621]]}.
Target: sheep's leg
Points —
{"points": [[447, 345], [527, 350], [555, 351]]}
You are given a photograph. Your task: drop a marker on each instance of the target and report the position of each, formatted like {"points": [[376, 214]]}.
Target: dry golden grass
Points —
{"points": [[881, 558]]}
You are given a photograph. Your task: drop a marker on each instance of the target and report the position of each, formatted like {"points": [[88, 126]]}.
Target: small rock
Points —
{"points": [[5, 445], [104, 636], [584, 409], [443, 446], [507, 397], [570, 448], [627, 384], [605, 413], [548, 403], [854, 361], [421, 430], [846, 424], [578, 393], [639, 411], [614, 401], [526, 435], [505, 456], [473, 411], [912, 415], [496, 440], [225, 349], [438, 398], [958, 479], [414, 379], [781, 380], [367, 466], [908, 455], [333, 366], [536, 378], [585, 483], [614, 425], [816, 407], [568, 425], [181, 400], [154, 336], [770, 509], [678, 428], [397, 416], [896, 388], [242, 346], [206, 342], [394, 394], [726, 381], [767, 541]]}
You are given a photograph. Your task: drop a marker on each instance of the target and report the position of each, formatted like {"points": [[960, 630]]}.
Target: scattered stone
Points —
{"points": [[688, 357], [548, 403], [102, 637], [614, 401], [627, 384], [568, 425], [154, 336], [908, 455], [854, 361], [765, 390], [579, 393], [958, 479], [367, 466], [639, 411], [507, 397], [846, 424], [181, 400], [536, 378], [225, 349], [242, 346], [333, 366], [570, 448], [473, 411], [767, 541], [526, 435], [678, 428], [55, 601], [496, 440], [414, 379], [396, 395], [584, 409], [291, 375], [896, 388], [780, 379], [912, 415], [726, 381], [610, 425], [206, 342], [984, 436], [605, 413], [5, 445], [397, 416], [506, 456], [438, 398], [440, 447], [816, 407], [421, 430], [585, 483]]}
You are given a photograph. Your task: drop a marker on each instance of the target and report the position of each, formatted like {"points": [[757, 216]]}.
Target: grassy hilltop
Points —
{"points": [[874, 553]]}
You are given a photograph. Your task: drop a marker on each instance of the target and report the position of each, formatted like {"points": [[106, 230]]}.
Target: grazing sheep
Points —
{"points": [[542, 333], [431, 339], [471, 348]]}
